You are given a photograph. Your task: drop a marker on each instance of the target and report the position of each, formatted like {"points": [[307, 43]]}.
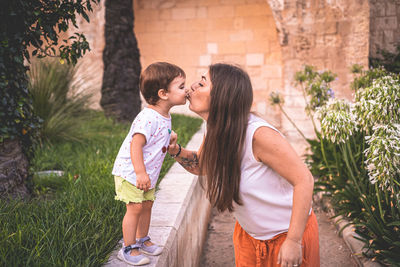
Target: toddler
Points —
{"points": [[138, 163]]}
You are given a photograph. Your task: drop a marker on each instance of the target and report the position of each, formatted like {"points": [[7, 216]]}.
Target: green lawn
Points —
{"points": [[74, 220]]}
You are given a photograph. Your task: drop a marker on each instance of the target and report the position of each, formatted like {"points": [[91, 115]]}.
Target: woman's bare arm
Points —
{"points": [[187, 158], [273, 150]]}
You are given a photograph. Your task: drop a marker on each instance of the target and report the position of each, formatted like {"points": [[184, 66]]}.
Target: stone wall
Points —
{"points": [[195, 33], [329, 34], [384, 26], [271, 39]]}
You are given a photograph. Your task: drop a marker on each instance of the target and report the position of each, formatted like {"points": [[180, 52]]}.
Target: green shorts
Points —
{"points": [[127, 192]]}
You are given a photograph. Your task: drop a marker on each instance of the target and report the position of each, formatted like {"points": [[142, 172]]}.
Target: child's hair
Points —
{"points": [[158, 76]]}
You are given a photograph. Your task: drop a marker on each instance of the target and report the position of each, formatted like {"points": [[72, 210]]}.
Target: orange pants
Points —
{"points": [[250, 252]]}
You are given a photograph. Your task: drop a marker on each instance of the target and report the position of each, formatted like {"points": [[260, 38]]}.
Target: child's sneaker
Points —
{"points": [[152, 250], [124, 255]]}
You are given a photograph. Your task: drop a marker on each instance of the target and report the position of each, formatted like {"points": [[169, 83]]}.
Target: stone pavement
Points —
{"points": [[218, 250]]}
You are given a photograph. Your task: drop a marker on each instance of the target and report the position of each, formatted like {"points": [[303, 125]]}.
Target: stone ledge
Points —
{"points": [[348, 234], [179, 218]]}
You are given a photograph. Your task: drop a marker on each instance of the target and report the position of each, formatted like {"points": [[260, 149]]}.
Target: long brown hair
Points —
{"points": [[231, 97]]}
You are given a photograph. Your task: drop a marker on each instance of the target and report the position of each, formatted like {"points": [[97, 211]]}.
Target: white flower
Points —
{"points": [[379, 103], [338, 122], [383, 154]]}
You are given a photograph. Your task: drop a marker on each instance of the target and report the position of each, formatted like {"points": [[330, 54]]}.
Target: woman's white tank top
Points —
{"points": [[267, 198]]}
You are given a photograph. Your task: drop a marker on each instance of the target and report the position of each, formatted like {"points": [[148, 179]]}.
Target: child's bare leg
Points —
{"points": [[130, 224], [144, 221]]}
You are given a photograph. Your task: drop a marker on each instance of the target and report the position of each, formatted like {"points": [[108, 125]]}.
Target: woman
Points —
{"points": [[252, 171]]}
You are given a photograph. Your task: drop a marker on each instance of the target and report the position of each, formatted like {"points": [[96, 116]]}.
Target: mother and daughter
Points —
{"points": [[246, 167]]}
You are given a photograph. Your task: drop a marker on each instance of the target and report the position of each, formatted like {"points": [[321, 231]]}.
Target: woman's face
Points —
{"points": [[199, 96]]}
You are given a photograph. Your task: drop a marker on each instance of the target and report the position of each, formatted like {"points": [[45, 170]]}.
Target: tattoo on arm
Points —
{"points": [[190, 162]]}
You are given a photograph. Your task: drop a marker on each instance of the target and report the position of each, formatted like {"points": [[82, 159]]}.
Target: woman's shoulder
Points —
{"points": [[255, 122]]}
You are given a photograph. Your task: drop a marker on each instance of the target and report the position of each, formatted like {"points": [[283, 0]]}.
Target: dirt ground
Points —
{"points": [[218, 250]]}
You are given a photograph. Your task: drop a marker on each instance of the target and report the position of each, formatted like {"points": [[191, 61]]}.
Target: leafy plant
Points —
{"points": [[356, 156], [316, 90], [367, 135], [60, 104], [390, 61], [74, 219], [37, 24]]}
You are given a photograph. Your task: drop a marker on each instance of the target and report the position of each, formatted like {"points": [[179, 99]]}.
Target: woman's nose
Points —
{"points": [[193, 87]]}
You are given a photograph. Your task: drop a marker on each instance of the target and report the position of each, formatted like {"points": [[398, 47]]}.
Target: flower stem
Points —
{"points": [[292, 122]]}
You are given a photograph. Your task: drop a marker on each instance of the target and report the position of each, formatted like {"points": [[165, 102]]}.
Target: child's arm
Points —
{"points": [[142, 178]]}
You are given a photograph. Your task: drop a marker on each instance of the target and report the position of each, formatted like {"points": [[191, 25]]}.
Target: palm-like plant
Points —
{"points": [[61, 103]]}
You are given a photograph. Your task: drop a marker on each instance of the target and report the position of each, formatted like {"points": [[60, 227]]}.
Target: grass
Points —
{"points": [[73, 220]]}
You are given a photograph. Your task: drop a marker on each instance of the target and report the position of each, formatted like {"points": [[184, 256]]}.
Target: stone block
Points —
{"points": [[242, 35], [173, 26], [259, 22], [194, 25], [275, 84], [192, 36], [268, 34], [330, 27], [252, 10], [217, 36], [201, 12], [207, 2], [219, 24], [185, 3], [147, 15], [220, 11], [238, 23], [256, 59], [139, 26], [390, 9], [212, 48], [344, 27], [233, 59], [386, 23], [205, 60], [259, 83], [172, 37], [332, 40], [147, 38], [253, 71], [155, 26], [272, 71], [273, 58], [165, 14], [388, 36], [184, 13], [261, 107], [232, 48]]}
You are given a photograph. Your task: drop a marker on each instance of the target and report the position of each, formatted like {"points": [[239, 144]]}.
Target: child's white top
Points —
{"points": [[267, 197], [156, 128]]}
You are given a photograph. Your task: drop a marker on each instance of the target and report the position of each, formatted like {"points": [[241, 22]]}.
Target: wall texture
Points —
{"points": [[271, 39], [384, 25]]}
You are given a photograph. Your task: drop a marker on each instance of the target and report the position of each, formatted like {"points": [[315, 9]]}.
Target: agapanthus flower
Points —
{"points": [[338, 122], [379, 103], [383, 154]]}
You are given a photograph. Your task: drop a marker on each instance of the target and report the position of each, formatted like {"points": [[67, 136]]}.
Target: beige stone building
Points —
{"points": [[271, 39]]}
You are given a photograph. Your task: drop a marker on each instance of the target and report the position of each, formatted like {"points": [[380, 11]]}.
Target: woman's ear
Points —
{"points": [[163, 94]]}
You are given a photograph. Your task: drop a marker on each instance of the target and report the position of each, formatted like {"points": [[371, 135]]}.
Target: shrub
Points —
{"points": [[60, 104], [364, 181]]}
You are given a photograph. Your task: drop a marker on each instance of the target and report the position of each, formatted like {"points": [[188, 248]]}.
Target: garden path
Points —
{"points": [[218, 248]]}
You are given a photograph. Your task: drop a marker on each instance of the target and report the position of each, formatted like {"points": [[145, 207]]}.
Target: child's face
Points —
{"points": [[177, 91]]}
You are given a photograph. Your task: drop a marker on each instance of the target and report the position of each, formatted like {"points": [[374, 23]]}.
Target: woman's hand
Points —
{"points": [[143, 181], [290, 253]]}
